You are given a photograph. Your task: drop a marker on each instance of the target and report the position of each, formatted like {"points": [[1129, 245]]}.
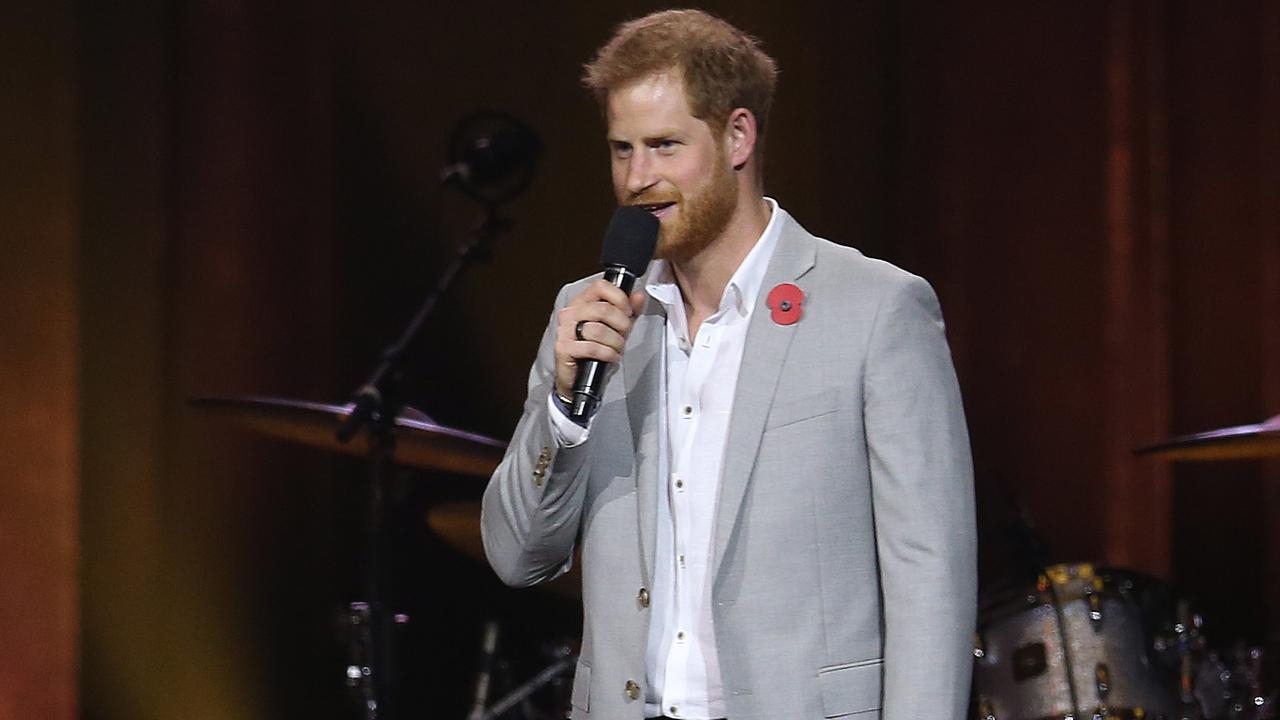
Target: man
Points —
{"points": [[773, 502]]}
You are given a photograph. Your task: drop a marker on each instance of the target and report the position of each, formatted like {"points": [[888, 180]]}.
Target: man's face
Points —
{"points": [[670, 162]]}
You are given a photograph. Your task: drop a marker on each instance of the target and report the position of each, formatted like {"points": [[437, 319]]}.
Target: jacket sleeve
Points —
{"points": [[922, 495], [533, 504]]}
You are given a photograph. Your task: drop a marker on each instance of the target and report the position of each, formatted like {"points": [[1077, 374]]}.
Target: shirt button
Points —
{"points": [[679, 483], [679, 634], [643, 597], [687, 411], [633, 690], [675, 711]]}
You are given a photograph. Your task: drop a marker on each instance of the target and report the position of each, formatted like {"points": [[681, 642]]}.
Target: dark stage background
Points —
{"points": [[215, 198]]}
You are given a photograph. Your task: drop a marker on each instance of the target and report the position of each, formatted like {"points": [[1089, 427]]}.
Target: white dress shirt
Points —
{"points": [[699, 383]]}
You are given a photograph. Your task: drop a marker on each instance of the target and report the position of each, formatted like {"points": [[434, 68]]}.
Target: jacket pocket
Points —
{"points": [[582, 687], [851, 688], [792, 410]]}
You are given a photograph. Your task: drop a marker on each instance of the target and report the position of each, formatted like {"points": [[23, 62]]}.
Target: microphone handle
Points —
{"points": [[588, 384]]}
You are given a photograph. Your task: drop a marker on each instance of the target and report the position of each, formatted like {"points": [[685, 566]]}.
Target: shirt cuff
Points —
{"points": [[567, 432]]}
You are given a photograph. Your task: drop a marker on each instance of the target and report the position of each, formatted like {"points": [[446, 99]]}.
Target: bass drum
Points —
{"points": [[1079, 643]]}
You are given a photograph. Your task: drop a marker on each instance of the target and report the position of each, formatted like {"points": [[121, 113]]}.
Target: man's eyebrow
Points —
{"points": [[664, 134], [667, 134]]}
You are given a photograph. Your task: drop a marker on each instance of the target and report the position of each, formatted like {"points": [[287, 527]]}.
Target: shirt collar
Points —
{"points": [[744, 285]]}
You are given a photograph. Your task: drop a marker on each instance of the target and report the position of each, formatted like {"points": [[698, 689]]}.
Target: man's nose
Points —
{"points": [[639, 173]]}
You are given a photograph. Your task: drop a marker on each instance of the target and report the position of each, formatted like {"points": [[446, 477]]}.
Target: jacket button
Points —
{"points": [[643, 597], [633, 690]]}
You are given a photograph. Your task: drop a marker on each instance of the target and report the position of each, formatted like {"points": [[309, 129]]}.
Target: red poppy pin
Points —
{"points": [[785, 303]]}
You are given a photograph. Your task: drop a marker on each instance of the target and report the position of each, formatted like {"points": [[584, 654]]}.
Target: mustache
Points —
{"points": [[654, 198]]}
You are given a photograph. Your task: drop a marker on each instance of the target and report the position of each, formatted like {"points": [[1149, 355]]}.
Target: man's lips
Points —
{"points": [[658, 208]]}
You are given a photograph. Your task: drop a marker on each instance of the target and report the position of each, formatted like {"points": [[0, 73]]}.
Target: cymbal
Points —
{"points": [[1242, 442], [419, 442], [458, 523]]}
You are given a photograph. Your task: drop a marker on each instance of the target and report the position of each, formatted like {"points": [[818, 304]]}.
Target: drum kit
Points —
{"points": [[1081, 641], [1095, 642], [422, 444]]}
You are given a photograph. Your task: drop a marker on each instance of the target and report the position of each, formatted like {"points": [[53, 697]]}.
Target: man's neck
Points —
{"points": [[703, 278]]}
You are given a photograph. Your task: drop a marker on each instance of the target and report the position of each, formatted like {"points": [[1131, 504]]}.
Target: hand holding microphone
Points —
{"points": [[593, 328]]}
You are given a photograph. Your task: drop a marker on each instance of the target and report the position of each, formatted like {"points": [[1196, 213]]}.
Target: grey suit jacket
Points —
{"points": [[844, 548]]}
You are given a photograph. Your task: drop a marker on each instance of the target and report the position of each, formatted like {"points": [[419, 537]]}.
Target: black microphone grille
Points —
{"points": [[630, 239]]}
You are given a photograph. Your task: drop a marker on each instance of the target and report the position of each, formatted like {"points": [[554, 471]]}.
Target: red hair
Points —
{"points": [[722, 67]]}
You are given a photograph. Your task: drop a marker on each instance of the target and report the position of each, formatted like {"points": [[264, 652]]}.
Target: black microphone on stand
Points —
{"points": [[628, 247], [492, 156]]}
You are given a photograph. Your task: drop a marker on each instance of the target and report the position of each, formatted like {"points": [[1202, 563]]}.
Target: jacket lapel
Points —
{"points": [[641, 368], [762, 360]]}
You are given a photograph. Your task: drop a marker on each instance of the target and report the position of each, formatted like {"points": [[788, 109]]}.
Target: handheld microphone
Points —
{"points": [[627, 248]]}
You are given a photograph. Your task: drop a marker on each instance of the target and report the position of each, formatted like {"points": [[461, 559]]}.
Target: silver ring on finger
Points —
{"points": [[577, 329]]}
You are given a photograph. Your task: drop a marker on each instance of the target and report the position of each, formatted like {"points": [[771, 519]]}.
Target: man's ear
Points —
{"points": [[740, 137]]}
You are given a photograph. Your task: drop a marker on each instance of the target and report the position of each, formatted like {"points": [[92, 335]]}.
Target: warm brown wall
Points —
{"points": [[1002, 208], [208, 253], [1224, 215], [1268, 27], [39, 425], [124, 126], [1092, 190], [251, 275]]}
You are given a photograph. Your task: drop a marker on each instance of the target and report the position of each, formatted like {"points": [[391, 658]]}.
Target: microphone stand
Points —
{"points": [[375, 407]]}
